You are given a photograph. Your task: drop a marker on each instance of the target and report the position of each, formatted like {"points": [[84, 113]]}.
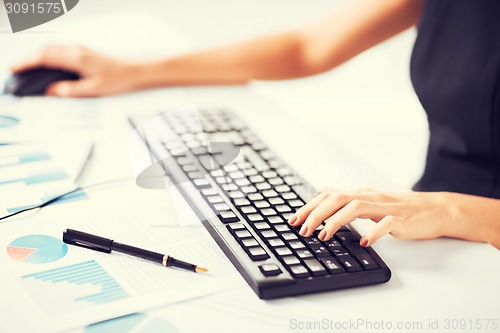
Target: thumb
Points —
{"points": [[80, 88]]}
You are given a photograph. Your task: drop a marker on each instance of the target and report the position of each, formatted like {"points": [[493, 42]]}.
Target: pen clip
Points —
{"points": [[88, 241]]}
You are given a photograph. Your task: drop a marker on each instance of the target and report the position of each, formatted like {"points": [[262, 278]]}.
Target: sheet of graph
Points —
{"points": [[33, 174], [237, 310], [63, 287]]}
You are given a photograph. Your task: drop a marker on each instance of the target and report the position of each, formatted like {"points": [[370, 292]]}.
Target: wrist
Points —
{"points": [[145, 75]]}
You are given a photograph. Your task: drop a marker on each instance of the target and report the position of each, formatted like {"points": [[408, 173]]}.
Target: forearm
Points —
{"points": [[315, 49], [474, 218]]}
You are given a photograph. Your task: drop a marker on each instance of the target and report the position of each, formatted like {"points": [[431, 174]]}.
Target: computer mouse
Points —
{"points": [[35, 81]]}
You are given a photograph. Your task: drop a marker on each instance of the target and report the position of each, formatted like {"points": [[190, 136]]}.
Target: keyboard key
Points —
{"points": [[299, 271], [276, 201], [332, 266], [263, 186], [269, 234], [223, 180], [283, 208], [261, 226], [297, 245], [282, 188], [195, 174], [236, 227], [287, 216], [231, 168], [270, 269], [354, 247], [346, 236], [311, 241], [249, 172], [280, 228], [248, 189], [289, 236], [268, 212], [208, 191], [228, 217], [214, 199], [236, 174], [241, 202], [189, 168], [248, 210], [236, 195], [315, 267], [292, 180], [229, 187], [304, 254], [366, 260], [242, 234], [255, 218], [201, 182], [269, 174], [320, 251], [289, 195], [338, 251], [284, 251], [275, 181], [255, 196], [296, 203], [249, 242], [242, 182], [261, 204], [349, 263], [276, 242], [257, 253], [257, 179], [221, 207], [275, 219], [290, 260], [269, 193]]}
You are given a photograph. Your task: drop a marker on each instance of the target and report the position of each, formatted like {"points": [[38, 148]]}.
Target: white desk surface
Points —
{"points": [[363, 121]]}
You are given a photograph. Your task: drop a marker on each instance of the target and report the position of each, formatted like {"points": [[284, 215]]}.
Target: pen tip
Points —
{"points": [[201, 269]]}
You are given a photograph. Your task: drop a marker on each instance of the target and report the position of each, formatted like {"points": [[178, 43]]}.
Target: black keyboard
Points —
{"points": [[244, 195]]}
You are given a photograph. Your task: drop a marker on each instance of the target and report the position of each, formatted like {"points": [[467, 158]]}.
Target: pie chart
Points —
{"points": [[8, 121], [37, 249]]}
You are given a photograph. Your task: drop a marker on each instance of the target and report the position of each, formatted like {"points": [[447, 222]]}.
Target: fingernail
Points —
{"points": [[303, 230], [322, 235], [363, 242], [292, 220]]}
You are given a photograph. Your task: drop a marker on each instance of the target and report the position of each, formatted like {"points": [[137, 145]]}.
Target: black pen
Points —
{"points": [[96, 243]]}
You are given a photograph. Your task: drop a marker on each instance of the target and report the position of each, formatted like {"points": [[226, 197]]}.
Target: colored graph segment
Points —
{"points": [[39, 178], [7, 121], [37, 249], [85, 273], [135, 322]]}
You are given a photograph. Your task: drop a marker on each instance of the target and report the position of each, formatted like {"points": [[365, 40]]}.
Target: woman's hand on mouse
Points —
{"points": [[413, 215], [100, 75]]}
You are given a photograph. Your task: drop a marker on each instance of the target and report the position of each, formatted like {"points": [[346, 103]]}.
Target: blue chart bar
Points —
{"points": [[89, 272], [37, 179], [28, 158]]}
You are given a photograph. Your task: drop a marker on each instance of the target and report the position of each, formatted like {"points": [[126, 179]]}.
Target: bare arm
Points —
{"points": [[311, 50]]}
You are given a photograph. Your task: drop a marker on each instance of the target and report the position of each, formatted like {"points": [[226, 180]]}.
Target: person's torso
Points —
{"points": [[455, 70]]}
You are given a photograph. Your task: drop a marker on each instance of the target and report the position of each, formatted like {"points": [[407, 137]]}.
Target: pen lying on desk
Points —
{"points": [[82, 239]]}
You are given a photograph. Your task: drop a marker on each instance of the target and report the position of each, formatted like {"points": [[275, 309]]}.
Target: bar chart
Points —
{"points": [[32, 177], [84, 284]]}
